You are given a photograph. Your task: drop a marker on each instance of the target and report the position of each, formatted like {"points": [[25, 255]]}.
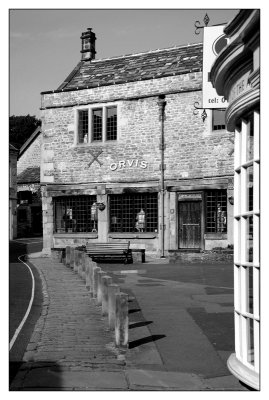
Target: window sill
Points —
{"points": [[97, 143], [90, 235], [215, 236], [133, 235], [219, 130]]}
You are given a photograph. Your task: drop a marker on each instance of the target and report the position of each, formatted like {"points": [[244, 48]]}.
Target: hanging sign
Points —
{"points": [[214, 41]]}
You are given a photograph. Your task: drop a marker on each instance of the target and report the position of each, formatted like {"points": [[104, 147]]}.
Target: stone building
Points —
{"points": [[236, 75], [13, 154], [29, 212], [125, 158]]}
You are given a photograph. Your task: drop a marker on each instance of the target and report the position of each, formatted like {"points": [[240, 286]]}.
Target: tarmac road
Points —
{"points": [[20, 291]]}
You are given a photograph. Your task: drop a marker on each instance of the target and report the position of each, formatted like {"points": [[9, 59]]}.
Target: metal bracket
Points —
{"points": [[198, 26], [195, 112]]}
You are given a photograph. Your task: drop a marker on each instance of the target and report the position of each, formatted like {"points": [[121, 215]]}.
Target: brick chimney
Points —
{"points": [[88, 45]]}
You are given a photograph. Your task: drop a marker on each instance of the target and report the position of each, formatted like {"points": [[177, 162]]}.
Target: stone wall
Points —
{"points": [[194, 154], [192, 150], [31, 156]]}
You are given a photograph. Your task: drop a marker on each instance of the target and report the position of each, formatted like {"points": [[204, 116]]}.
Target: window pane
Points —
{"points": [[216, 211], [97, 124], [249, 289], [83, 119], [249, 239], [250, 140], [250, 188], [73, 214], [250, 341], [134, 213], [111, 123], [218, 117]]}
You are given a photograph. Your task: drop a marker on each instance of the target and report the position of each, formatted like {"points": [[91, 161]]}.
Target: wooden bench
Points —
{"points": [[105, 251]]}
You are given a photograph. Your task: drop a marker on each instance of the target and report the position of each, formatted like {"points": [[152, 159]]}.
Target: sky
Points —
{"points": [[45, 44]]}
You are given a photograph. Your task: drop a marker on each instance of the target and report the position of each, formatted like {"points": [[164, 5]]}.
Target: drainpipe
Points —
{"points": [[162, 104]]}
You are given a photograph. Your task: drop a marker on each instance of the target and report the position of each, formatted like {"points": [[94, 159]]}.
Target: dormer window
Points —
{"points": [[97, 124]]}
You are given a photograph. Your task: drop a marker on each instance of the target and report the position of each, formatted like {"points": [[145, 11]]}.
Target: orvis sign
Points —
{"points": [[214, 41], [133, 163]]}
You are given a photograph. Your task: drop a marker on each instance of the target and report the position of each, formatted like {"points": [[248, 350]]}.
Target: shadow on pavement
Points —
{"points": [[36, 376], [139, 324], [148, 339]]}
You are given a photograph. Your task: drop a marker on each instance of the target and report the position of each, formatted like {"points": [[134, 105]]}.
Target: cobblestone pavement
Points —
{"points": [[72, 349], [71, 333]]}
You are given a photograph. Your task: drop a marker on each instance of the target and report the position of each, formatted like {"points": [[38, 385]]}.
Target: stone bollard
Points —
{"points": [[113, 289], [91, 266], [122, 320], [105, 281], [72, 257], [95, 281], [99, 289], [80, 263], [76, 256], [88, 273], [67, 256], [62, 258], [83, 265]]}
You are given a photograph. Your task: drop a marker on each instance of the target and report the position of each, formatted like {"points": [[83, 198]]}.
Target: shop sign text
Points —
{"points": [[128, 164], [239, 87]]}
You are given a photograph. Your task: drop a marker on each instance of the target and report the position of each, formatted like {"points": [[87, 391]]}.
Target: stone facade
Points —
{"points": [[28, 181], [13, 154], [195, 156]]}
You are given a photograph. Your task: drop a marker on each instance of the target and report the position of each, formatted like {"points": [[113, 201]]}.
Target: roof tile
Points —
{"points": [[129, 68]]}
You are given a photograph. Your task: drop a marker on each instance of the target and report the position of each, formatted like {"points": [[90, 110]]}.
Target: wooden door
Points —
{"points": [[189, 224]]}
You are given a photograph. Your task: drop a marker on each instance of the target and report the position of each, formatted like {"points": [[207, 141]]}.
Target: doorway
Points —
{"points": [[189, 234]]}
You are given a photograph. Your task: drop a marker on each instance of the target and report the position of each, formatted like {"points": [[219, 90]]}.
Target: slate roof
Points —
{"points": [[29, 175], [134, 67], [30, 140]]}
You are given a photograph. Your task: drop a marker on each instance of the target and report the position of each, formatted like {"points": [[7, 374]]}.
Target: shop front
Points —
{"points": [[236, 75]]}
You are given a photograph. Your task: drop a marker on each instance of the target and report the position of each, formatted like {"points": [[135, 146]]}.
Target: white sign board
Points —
{"points": [[214, 41]]}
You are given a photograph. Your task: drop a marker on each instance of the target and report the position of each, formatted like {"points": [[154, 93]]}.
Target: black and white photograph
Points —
{"points": [[134, 199]]}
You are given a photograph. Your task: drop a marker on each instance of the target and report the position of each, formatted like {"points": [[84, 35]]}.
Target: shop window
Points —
{"points": [[247, 242], [134, 212], [73, 214], [216, 211], [97, 124], [218, 119]]}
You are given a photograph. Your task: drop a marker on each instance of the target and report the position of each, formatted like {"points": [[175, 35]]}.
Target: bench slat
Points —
{"points": [[113, 250]]}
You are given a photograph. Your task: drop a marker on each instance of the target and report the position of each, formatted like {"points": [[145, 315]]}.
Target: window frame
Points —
{"points": [[207, 229], [247, 243], [90, 133], [74, 206], [133, 199]]}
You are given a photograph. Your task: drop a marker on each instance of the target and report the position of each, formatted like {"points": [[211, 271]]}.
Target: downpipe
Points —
{"points": [[162, 104]]}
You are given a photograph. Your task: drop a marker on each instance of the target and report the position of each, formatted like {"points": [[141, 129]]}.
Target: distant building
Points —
{"points": [[13, 154], [122, 133], [28, 180], [236, 75]]}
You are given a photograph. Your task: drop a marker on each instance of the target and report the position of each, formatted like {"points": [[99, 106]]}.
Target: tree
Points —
{"points": [[21, 128]]}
